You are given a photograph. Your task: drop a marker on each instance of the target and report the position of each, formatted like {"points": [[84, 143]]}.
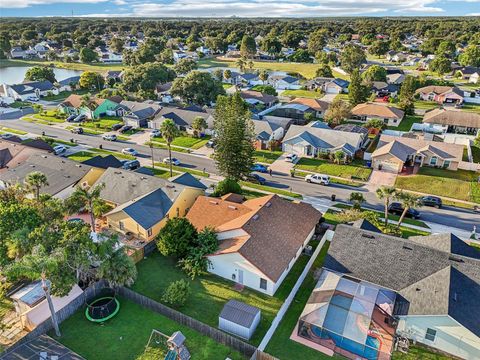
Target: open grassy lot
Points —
{"points": [[98, 67], [351, 171], [209, 293], [124, 337], [460, 184], [302, 93], [49, 116], [406, 123], [266, 156], [476, 153], [271, 189]]}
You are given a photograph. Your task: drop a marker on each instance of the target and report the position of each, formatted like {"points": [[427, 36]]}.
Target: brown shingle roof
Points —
{"points": [[273, 230], [452, 117], [382, 111], [316, 104]]}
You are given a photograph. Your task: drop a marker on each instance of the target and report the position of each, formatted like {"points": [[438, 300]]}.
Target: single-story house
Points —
{"points": [[103, 162], [382, 89], [62, 174], [68, 84], [441, 94], [95, 109], [466, 72], [317, 105], [113, 75], [454, 121], [336, 86], [13, 153], [393, 153], [256, 97], [313, 141], [390, 115], [318, 83], [395, 79], [424, 287], [266, 132], [183, 118], [259, 239], [295, 111], [138, 114], [239, 319], [18, 53], [28, 89], [244, 79], [284, 82], [352, 128]]}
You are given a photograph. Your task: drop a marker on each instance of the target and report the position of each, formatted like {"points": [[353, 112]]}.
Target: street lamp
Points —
{"points": [[151, 150]]}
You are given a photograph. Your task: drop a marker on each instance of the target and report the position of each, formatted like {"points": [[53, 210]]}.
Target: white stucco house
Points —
{"points": [[29, 89], [259, 239]]}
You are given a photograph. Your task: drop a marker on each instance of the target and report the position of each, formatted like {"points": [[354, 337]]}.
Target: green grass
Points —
{"points": [[100, 67], [280, 345], [271, 189], [352, 171], [183, 169], [124, 337], [160, 172], [227, 86], [18, 104], [209, 293], [266, 156], [64, 95], [161, 145], [58, 141], [417, 352], [460, 184], [302, 93], [406, 123], [81, 156], [471, 108], [425, 105], [13, 131], [49, 116], [103, 123], [185, 141], [114, 153], [475, 153]]}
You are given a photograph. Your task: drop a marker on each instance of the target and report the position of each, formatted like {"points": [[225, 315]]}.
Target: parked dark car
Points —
{"points": [[80, 118], [259, 168], [71, 118], [115, 127], [397, 209], [77, 130], [256, 179], [125, 128], [131, 165], [434, 201]]}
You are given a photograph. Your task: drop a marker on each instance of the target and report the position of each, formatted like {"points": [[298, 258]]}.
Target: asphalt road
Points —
{"points": [[448, 216]]}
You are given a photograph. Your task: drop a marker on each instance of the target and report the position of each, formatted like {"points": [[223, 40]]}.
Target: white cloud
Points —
{"points": [[119, 2], [28, 3]]}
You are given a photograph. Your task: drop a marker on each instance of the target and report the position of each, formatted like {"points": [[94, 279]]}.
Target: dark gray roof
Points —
{"points": [[181, 117], [140, 110], [352, 128], [30, 86], [145, 171], [187, 180], [60, 172], [239, 313], [103, 162], [364, 224], [70, 80], [447, 242], [148, 209], [431, 281]]}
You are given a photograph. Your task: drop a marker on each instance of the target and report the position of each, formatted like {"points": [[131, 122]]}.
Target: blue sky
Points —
{"points": [[242, 8]]}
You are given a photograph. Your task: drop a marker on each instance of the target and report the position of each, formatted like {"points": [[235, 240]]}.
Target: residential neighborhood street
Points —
{"points": [[450, 216]]}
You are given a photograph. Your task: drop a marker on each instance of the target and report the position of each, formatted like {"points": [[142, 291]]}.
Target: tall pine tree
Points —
{"points": [[357, 92]]}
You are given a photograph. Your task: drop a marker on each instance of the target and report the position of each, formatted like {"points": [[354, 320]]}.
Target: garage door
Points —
{"points": [[386, 166]]}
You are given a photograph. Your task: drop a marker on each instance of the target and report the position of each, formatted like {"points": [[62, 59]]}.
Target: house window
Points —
{"points": [[121, 225], [433, 161], [149, 232], [446, 164], [430, 334], [263, 284]]}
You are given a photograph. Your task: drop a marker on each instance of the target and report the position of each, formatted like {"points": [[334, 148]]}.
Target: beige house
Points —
{"points": [[391, 116], [454, 121], [441, 94], [393, 153]]}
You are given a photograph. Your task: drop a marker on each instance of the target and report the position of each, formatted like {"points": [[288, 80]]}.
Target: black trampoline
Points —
{"points": [[102, 307]]}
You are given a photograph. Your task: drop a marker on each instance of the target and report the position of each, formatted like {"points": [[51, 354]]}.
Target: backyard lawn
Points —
{"points": [[209, 293], [460, 184], [351, 171], [266, 156], [302, 93], [124, 337], [406, 123]]}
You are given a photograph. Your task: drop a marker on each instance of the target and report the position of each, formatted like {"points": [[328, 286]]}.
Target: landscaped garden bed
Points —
{"points": [[353, 171]]}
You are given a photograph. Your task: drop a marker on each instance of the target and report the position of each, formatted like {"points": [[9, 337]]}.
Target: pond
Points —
{"points": [[15, 74]]}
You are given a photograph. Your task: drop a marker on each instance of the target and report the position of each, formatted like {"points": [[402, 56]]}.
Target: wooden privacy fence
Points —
{"points": [[217, 335]]}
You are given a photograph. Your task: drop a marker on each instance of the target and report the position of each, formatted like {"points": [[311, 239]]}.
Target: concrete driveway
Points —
{"points": [[329, 97], [280, 166], [381, 178]]}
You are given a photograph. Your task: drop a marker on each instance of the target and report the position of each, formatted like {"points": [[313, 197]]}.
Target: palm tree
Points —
{"points": [[357, 199], [198, 125], [386, 193], [35, 181], [88, 199], [169, 133], [408, 201]]}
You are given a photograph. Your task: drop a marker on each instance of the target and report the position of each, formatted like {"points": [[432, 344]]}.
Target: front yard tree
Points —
{"points": [[146, 77], [441, 65], [375, 73], [88, 199], [352, 57], [337, 112], [227, 74], [324, 70], [40, 73], [408, 201], [87, 55], [357, 199], [385, 193], [184, 66], [35, 181], [197, 87], [169, 133], [176, 237], [379, 48], [407, 95], [357, 92], [235, 135], [471, 56], [91, 80], [263, 75], [248, 47], [198, 125]]}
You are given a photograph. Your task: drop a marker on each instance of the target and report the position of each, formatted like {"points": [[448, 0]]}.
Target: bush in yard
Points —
{"points": [[227, 186], [177, 293], [176, 237]]}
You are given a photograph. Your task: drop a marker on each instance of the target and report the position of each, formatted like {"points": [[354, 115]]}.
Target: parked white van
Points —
{"points": [[318, 179]]}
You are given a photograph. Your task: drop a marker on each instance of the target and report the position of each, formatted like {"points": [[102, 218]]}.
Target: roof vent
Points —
{"points": [[143, 178], [31, 165], [213, 202], [255, 217], [368, 236], [45, 156], [232, 207], [418, 289], [268, 204], [455, 259], [405, 247]]}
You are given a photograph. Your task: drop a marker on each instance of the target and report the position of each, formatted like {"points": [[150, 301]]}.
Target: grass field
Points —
{"points": [[271, 189], [58, 64], [209, 293], [460, 184], [124, 337], [406, 123], [266, 156], [17, 104], [302, 93], [351, 171]]}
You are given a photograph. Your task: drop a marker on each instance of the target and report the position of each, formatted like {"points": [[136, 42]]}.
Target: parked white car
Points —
{"points": [[155, 133], [33, 98], [129, 151], [174, 161], [291, 158], [59, 149], [318, 179], [109, 137]]}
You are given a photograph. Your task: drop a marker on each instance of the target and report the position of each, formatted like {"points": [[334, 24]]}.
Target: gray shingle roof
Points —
{"points": [[103, 162], [187, 180], [30, 86], [239, 313], [432, 281], [323, 138]]}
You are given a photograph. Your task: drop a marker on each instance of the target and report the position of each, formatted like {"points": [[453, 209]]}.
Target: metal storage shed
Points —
{"points": [[239, 319]]}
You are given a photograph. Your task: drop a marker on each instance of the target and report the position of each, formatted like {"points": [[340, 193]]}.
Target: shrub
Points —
{"points": [[177, 293], [227, 186], [176, 237]]}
